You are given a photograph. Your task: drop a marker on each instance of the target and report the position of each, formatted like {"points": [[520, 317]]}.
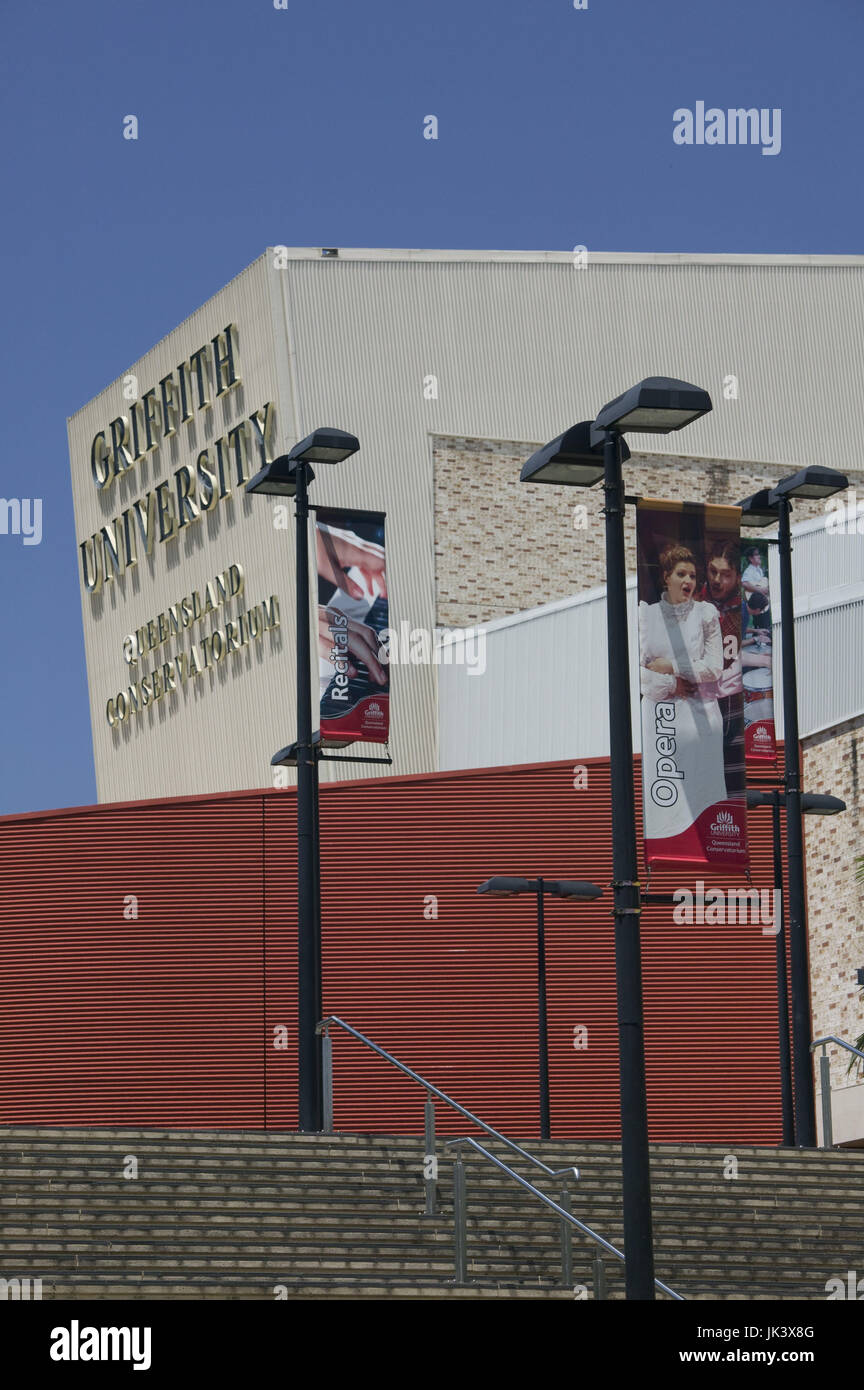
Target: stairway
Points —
{"points": [[255, 1215]]}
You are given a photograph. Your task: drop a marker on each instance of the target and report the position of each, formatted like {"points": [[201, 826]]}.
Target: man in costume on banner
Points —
{"points": [[722, 588]]}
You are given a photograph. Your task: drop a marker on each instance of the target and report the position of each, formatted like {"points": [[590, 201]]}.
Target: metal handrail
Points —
{"points": [[820, 1042], [825, 1083], [559, 1210], [434, 1090]]}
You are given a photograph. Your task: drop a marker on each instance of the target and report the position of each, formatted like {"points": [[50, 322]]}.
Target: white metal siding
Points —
{"points": [[522, 345], [544, 694], [828, 588]]}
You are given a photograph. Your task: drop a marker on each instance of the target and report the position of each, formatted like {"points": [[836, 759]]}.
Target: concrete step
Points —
{"points": [[227, 1214], [68, 1288], [84, 1166], [345, 1288], [288, 1148], [41, 1255], [119, 1222]]}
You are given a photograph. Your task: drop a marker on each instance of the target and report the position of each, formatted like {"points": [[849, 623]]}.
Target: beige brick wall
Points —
{"points": [[834, 763], [502, 546]]}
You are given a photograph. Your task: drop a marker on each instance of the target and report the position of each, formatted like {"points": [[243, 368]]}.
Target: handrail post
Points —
{"points": [[430, 1159], [555, 1206], [460, 1235], [327, 1080], [825, 1081], [566, 1241], [599, 1278]]}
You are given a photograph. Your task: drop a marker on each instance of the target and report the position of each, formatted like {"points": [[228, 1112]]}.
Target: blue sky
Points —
{"points": [[304, 126]]}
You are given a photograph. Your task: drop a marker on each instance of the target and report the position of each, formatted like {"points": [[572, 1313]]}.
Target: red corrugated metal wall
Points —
{"points": [[177, 1017], [123, 1020]]}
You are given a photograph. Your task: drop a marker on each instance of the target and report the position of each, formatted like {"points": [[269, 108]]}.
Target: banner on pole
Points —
{"points": [[756, 651], [693, 773], [352, 610]]}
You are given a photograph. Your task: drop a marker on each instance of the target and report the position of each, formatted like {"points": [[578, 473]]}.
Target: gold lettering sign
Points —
{"points": [[158, 674], [197, 486]]}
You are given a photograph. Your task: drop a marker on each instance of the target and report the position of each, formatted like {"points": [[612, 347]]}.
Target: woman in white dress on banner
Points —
{"points": [[681, 656]]}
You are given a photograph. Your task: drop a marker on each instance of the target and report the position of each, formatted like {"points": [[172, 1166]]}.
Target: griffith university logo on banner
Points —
{"points": [[693, 772], [352, 610]]}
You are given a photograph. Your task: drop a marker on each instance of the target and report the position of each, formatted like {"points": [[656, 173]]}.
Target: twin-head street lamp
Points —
{"points": [[281, 477], [765, 507], [571, 890], [289, 476], [813, 804], [576, 458], [814, 483], [580, 457]]}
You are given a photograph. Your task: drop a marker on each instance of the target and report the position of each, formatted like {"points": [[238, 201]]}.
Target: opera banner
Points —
{"points": [[756, 653], [693, 773], [352, 611]]}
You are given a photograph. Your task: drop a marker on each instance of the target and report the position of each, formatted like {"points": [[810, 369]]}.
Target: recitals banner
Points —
{"points": [[352, 610], [693, 774], [756, 652]]}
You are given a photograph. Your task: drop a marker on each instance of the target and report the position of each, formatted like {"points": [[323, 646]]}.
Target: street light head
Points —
{"points": [[811, 482], [571, 888], [759, 510], [812, 803], [657, 405], [756, 798], [325, 446], [287, 757], [278, 478], [815, 804], [506, 887], [568, 460]]}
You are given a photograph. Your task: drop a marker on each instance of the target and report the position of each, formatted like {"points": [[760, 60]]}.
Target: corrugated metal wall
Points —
{"points": [[169, 1019], [120, 1020], [544, 690], [523, 343], [828, 585]]}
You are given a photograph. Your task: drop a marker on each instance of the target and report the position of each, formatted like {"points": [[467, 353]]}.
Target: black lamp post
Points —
{"points": [[813, 804], [558, 888], [581, 457], [289, 476], [760, 510]]}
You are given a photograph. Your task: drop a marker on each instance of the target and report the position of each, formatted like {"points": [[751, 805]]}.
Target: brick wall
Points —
{"points": [[834, 763], [502, 546]]}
